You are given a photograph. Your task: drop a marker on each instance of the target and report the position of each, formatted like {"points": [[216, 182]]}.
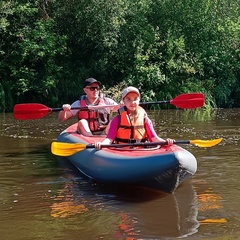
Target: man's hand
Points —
{"points": [[66, 107]]}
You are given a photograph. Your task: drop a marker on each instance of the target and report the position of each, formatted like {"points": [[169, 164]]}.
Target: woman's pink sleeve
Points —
{"points": [[151, 133], [113, 128]]}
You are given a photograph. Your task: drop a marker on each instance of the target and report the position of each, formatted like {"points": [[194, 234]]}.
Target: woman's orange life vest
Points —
{"points": [[97, 119], [131, 131]]}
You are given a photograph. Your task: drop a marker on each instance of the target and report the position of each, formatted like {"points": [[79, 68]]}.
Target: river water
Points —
{"points": [[45, 197]]}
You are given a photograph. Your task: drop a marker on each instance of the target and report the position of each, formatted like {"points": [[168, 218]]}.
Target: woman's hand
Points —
{"points": [[170, 141], [98, 145], [106, 141]]}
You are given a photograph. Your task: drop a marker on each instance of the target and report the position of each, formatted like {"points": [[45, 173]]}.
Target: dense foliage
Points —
{"points": [[163, 47]]}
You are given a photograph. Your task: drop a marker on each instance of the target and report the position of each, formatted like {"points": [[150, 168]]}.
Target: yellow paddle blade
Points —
{"points": [[66, 149], [206, 143]]}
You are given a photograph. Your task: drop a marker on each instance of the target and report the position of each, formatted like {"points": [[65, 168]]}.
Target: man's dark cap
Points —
{"points": [[90, 81]]}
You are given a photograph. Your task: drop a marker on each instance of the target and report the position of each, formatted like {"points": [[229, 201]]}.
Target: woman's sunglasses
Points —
{"points": [[93, 88]]}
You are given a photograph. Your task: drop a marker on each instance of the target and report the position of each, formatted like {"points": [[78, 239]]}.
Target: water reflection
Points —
{"points": [[42, 197], [210, 201], [137, 212]]}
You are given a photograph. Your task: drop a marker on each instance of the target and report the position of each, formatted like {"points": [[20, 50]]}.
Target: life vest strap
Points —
{"points": [[122, 140], [131, 127]]}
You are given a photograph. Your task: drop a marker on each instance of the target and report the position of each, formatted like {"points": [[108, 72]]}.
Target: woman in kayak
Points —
{"points": [[131, 125]]}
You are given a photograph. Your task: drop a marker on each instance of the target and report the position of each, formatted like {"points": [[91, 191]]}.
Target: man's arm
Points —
{"points": [[67, 112]]}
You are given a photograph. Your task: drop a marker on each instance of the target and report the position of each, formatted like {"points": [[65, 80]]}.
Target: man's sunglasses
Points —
{"points": [[93, 88]]}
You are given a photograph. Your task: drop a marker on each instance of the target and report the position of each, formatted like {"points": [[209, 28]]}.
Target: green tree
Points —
{"points": [[49, 47], [31, 52]]}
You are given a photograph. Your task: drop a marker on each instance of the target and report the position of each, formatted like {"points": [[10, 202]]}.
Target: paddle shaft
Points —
{"points": [[141, 144], [80, 107], [197, 142], [154, 103], [107, 106]]}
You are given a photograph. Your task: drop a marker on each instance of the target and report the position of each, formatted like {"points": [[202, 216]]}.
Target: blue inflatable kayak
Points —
{"points": [[163, 168]]}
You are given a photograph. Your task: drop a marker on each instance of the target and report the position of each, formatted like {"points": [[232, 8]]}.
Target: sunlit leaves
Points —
{"points": [[164, 47]]}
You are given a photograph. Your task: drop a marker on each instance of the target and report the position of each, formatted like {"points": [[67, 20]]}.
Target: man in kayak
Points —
{"points": [[91, 121], [132, 125]]}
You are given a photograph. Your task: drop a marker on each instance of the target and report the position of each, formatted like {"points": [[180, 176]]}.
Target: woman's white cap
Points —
{"points": [[127, 90]]}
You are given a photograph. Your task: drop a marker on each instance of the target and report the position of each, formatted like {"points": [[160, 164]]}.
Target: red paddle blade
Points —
{"points": [[26, 111], [188, 100]]}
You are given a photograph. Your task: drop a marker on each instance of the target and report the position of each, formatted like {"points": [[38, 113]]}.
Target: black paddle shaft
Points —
{"points": [[138, 144], [151, 103]]}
